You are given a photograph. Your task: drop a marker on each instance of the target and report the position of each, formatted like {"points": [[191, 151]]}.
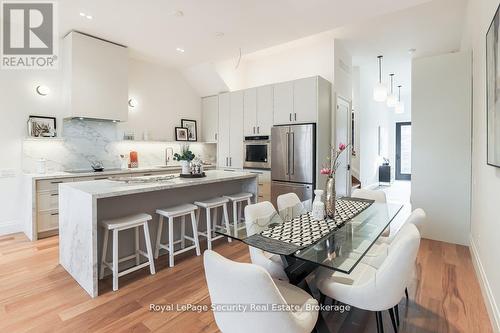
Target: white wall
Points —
{"points": [[355, 160], [485, 221], [163, 94], [441, 144]]}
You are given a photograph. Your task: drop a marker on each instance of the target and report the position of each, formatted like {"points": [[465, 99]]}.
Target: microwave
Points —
{"points": [[257, 152]]}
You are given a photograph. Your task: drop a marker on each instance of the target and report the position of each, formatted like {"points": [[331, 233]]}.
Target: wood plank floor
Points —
{"points": [[37, 295]]}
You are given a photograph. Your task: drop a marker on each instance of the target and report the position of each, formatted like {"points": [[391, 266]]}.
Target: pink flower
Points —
{"points": [[342, 146], [325, 171]]}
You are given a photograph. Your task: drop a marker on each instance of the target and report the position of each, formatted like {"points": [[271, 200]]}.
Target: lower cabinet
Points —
{"points": [[264, 184]]}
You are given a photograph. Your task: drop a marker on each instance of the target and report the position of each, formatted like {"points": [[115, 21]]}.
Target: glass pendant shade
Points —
{"points": [[380, 92], [400, 107], [391, 100]]}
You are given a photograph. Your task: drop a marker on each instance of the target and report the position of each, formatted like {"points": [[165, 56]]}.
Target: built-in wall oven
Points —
{"points": [[257, 152]]}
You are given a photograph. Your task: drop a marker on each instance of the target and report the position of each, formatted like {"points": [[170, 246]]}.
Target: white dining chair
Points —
{"points": [[378, 196], [373, 289], [257, 218], [288, 200], [245, 284]]}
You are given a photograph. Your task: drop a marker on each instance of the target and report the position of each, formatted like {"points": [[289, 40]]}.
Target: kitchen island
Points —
{"points": [[83, 204]]}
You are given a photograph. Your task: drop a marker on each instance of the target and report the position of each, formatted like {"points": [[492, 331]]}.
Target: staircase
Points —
{"points": [[355, 183]]}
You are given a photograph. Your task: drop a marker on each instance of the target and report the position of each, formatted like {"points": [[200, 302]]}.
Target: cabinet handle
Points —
{"points": [[295, 116], [56, 182], [101, 178], [254, 130], [230, 161], [258, 130], [146, 174], [215, 136], [256, 172], [290, 116], [54, 194], [54, 214], [227, 159]]}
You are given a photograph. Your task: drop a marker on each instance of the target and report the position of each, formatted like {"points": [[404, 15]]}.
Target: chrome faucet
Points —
{"points": [[167, 155]]}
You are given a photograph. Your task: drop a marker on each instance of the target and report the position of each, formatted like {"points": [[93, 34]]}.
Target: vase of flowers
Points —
{"points": [[185, 158], [330, 170]]}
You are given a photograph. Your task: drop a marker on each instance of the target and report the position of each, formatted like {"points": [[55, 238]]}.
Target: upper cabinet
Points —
{"points": [[258, 111], [250, 111], [230, 140], [296, 101], [96, 78], [209, 118]]}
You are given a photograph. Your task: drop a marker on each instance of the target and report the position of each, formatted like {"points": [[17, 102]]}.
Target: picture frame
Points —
{"points": [[42, 127], [190, 125], [492, 92], [181, 134]]}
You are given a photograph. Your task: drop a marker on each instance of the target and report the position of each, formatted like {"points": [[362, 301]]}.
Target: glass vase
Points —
{"points": [[330, 197]]}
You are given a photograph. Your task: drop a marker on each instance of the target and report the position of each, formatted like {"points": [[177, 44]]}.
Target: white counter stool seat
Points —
{"points": [[210, 204], [120, 224], [171, 213], [238, 199]]}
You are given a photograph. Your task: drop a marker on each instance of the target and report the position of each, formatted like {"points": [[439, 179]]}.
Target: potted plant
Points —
{"points": [[330, 171], [184, 158]]}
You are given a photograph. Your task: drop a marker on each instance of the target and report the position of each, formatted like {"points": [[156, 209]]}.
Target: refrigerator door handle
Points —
{"points": [[287, 153], [293, 153]]}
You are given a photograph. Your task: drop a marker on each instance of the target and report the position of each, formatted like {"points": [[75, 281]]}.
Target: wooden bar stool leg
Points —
{"points": [[209, 230], [115, 259], [171, 241], [147, 240], [183, 231], [226, 220], [137, 258], [158, 236], [235, 217], [195, 234], [104, 253]]}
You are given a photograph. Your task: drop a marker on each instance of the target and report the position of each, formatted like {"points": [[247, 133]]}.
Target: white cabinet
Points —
{"points": [[296, 101], [305, 100], [258, 111], [283, 103], [209, 118], [230, 141], [250, 111], [96, 78]]}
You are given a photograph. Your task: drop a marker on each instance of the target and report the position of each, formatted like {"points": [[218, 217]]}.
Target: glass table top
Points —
{"points": [[337, 247]]}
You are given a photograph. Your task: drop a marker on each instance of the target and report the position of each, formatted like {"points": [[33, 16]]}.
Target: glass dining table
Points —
{"points": [[305, 243]]}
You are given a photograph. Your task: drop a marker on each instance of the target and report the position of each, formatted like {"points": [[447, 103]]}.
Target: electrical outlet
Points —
{"points": [[8, 173]]}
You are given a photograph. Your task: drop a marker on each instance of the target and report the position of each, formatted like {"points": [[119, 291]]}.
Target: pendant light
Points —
{"points": [[400, 107], [391, 98], [380, 90]]}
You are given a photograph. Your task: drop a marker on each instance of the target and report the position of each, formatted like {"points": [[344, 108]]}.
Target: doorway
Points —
{"points": [[342, 135], [403, 151]]}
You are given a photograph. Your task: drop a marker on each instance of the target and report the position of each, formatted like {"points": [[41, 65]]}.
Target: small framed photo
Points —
{"points": [[191, 127], [181, 134], [41, 127]]}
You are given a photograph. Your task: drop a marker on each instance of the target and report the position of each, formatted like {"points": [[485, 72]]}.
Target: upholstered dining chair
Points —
{"points": [[244, 284], [378, 196], [257, 218], [374, 289], [288, 200]]}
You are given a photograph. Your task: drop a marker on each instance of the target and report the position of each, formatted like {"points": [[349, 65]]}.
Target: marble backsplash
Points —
{"points": [[85, 141]]}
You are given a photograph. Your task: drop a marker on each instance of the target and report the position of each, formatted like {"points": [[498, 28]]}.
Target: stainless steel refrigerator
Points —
{"points": [[293, 160]]}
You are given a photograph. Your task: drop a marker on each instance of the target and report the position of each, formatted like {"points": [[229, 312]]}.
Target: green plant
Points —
{"points": [[185, 155]]}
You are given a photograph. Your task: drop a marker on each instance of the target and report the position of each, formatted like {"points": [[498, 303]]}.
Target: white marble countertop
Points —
{"points": [[64, 174], [111, 188]]}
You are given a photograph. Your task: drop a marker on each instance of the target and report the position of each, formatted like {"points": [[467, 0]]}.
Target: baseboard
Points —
{"points": [[491, 305], [10, 227]]}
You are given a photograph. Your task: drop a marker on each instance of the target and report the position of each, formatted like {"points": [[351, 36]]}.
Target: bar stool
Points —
{"points": [[209, 204], [237, 199], [120, 224], [171, 213]]}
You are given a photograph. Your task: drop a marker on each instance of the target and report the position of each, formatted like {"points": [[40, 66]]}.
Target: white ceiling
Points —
{"points": [[153, 31]]}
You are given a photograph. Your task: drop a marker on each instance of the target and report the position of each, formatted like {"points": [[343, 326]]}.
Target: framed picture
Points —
{"points": [[41, 127], [181, 134], [493, 93], [191, 127]]}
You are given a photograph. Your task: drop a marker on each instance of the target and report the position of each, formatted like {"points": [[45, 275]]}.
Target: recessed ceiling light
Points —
{"points": [[82, 14], [412, 50], [89, 17], [219, 34], [181, 50], [178, 13]]}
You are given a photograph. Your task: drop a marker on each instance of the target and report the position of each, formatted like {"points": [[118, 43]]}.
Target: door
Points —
{"points": [[302, 148], [303, 191], [224, 125], [250, 112], [265, 110], [305, 100], [236, 131], [283, 103], [342, 124], [403, 151], [210, 118], [279, 153]]}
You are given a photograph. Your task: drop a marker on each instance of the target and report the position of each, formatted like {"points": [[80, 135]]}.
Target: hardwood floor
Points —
{"points": [[37, 295]]}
